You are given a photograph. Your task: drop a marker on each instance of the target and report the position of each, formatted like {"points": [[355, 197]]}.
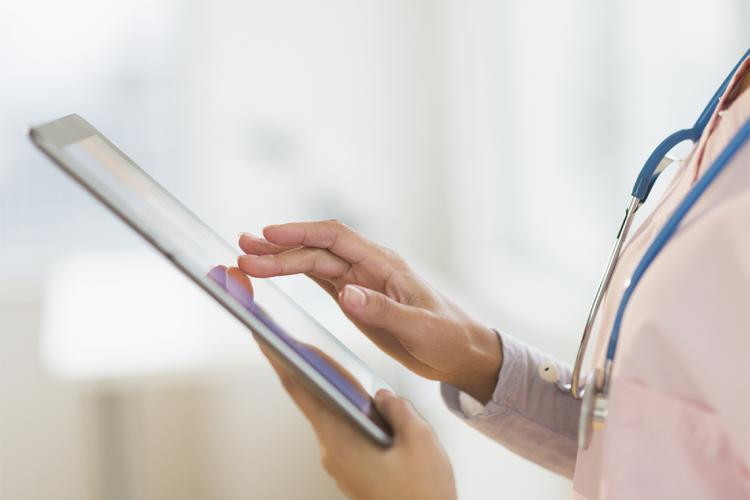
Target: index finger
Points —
{"points": [[331, 235]]}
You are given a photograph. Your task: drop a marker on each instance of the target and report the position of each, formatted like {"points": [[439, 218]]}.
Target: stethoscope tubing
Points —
{"points": [[652, 168], [669, 229], [650, 171]]}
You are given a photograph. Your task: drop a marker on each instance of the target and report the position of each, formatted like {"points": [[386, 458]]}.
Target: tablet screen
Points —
{"points": [[199, 252]]}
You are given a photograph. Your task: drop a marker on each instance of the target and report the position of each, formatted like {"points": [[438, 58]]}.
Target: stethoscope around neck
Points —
{"points": [[594, 390]]}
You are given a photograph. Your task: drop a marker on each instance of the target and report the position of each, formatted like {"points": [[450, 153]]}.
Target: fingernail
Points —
{"points": [[384, 393], [248, 235], [354, 296]]}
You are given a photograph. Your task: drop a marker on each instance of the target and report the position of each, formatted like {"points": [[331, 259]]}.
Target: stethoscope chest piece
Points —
{"points": [[593, 410]]}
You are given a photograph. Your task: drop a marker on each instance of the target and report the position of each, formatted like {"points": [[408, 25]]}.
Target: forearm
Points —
{"points": [[525, 414]]}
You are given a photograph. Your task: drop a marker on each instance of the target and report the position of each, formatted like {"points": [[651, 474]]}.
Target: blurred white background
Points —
{"points": [[492, 143]]}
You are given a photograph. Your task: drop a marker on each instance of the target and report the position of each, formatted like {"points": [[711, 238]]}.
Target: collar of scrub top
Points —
{"points": [[648, 175], [651, 169], [654, 166]]}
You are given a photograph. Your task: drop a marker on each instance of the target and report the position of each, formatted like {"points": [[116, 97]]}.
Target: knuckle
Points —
{"points": [[431, 323], [381, 305], [409, 414], [421, 428], [334, 230], [389, 404], [335, 224], [398, 407], [315, 258], [281, 263], [393, 256], [398, 403]]}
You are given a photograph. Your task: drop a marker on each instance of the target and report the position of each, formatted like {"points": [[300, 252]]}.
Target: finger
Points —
{"points": [[371, 308], [238, 285], [315, 261], [331, 235], [401, 415], [218, 274], [254, 245]]}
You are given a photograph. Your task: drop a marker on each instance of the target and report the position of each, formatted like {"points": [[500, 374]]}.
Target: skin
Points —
{"points": [[408, 320], [744, 85], [414, 467]]}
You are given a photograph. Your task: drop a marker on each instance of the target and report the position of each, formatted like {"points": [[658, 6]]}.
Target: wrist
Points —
{"points": [[482, 362]]}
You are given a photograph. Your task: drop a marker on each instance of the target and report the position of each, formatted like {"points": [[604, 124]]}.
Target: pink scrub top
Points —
{"points": [[679, 414], [679, 406]]}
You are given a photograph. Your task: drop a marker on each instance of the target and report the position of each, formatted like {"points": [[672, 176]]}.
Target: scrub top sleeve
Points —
{"points": [[527, 415]]}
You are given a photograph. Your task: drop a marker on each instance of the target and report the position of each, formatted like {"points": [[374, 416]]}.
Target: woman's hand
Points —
{"points": [[387, 301], [414, 467]]}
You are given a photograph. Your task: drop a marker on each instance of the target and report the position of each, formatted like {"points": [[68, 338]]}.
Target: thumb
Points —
{"points": [[401, 415], [375, 309]]}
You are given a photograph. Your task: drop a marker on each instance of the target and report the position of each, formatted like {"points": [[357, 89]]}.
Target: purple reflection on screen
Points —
{"points": [[219, 275], [238, 286]]}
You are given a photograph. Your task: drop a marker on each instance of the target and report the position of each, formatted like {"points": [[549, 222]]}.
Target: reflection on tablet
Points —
{"points": [[238, 285], [195, 249]]}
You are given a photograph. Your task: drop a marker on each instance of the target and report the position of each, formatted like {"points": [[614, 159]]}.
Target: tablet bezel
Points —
{"points": [[52, 137]]}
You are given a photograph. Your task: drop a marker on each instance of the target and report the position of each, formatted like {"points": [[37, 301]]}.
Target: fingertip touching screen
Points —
{"points": [[211, 262]]}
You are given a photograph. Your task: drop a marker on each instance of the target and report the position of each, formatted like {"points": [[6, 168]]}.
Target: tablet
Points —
{"points": [[323, 363]]}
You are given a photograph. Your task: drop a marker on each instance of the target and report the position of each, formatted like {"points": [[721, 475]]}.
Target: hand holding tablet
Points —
{"points": [[238, 285], [278, 323], [358, 467], [374, 287]]}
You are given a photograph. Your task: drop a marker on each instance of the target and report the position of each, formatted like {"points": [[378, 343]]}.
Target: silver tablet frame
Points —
{"points": [[52, 137]]}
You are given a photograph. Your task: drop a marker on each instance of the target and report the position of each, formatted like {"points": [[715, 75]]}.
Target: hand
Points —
{"points": [[387, 301], [414, 467]]}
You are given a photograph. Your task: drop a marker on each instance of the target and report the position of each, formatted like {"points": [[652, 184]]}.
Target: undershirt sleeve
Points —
{"points": [[527, 415]]}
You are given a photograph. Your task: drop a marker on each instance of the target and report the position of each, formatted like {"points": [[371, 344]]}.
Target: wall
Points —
{"points": [[491, 142]]}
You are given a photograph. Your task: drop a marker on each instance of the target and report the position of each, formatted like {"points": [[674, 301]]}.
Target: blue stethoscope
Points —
{"points": [[595, 390]]}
